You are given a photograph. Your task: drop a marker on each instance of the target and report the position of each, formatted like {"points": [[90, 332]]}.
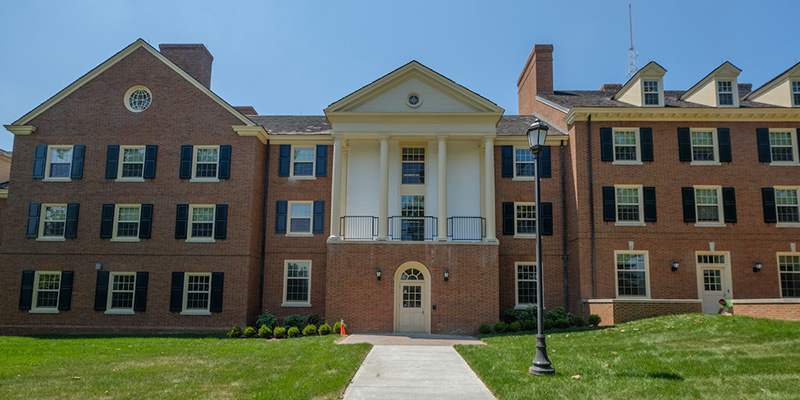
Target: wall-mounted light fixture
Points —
{"points": [[757, 267], [378, 273], [675, 265], [446, 274], [98, 266]]}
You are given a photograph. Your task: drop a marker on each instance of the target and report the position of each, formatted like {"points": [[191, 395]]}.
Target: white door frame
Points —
{"points": [[727, 280], [426, 293]]}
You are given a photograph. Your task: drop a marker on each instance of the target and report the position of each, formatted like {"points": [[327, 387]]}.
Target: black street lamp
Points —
{"points": [[537, 133]]}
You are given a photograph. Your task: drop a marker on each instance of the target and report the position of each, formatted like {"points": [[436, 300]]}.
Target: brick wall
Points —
{"points": [[617, 312], [775, 310]]}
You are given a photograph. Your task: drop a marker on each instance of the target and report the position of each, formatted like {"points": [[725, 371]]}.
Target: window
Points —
{"points": [[197, 293], [632, 273], [788, 210], [59, 163], [626, 146], [796, 93], [526, 284], [524, 163], [46, 290], [122, 287], [708, 205], [54, 221], [704, 149], [725, 93], [413, 165], [302, 161], [782, 147], [132, 162], [138, 98], [297, 283], [300, 217], [201, 222], [629, 204], [206, 162], [412, 212], [525, 219], [126, 222], [789, 267], [651, 93]]}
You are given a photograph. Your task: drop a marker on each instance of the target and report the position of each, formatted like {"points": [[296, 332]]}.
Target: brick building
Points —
{"points": [[406, 207]]}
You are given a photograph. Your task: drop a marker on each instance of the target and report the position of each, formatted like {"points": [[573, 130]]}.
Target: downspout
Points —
{"points": [[564, 231], [591, 208], [263, 236]]}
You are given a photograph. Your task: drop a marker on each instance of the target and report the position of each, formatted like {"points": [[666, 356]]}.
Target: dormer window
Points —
{"points": [[796, 93], [651, 93], [725, 93]]}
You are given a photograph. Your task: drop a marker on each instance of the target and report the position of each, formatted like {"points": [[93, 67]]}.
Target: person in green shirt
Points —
{"points": [[723, 304]]}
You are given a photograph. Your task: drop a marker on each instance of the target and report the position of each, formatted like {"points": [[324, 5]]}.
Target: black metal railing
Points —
{"points": [[416, 229], [466, 228], [358, 227]]}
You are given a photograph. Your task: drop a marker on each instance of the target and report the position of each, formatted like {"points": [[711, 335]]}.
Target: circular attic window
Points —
{"points": [[413, 100], [138, 98]]}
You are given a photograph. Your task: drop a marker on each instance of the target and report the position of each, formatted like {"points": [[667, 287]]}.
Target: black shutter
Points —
{"points": [[508, 218], [606, 144], [724, 139], [26, 291], [684, 144], [546, 228], [322, 160], [112, 164], [39, 162], [101, 291], [71, 227], [280, 216], [544, 167], [140, 293], [284, 159], [150, 155], [176, 294], [65, 293], [729, 204], [107, 221], [646, 142], [217, 283], [319, 216], [146, 221], [186, 162], [507, 161], [34, 210], [768, 200], [76, 172], [649, 197], [689, 214], [221, 221], [609, 203], [764, 152], [224, 162], [181, 221]]}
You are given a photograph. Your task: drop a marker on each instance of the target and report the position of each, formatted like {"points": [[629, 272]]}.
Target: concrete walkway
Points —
{"points": [[405, 371], [409, 339]]}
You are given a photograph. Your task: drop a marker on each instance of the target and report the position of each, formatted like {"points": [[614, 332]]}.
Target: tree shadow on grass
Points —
{"points": [[131, 336], [654, 375]]}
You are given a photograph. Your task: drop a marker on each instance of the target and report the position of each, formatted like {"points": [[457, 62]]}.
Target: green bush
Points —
{"points": [[325, 329], [293, 332], [295, 320], [500, 327], [548, 324], [528, 313], [561, 323], [235, 332], [594, 320], [279, 332], [578, 321], [510, 315], [313, 319], [310, 330], [265, 332], [484, 329], [528, 325], [266, 319], [250, 331], [558, 313], [337, 328], [514, 326]]}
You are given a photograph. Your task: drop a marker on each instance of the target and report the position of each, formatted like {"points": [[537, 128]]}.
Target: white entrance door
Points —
{"points": [[713, 280], [412, 299]]}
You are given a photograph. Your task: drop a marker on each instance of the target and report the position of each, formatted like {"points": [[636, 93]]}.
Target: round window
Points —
{"points": [[413, 100], [138, 98]]}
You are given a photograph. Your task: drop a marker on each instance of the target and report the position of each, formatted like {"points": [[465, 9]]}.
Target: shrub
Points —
{"points": [[266, 319], [500, 327], [561, 323], [279, 332], [510, 315], [514, 327], [337, 328], [548, 324], [310, 330], [578, 321], [265, 332], [250, 331], [235, 332], [594, 320], [558, 313], [325, 329], [528, 325], [313, 319], [293, 332], [484, 329], [528, 313], [295, 320]]}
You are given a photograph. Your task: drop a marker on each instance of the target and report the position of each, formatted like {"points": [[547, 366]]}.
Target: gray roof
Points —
{"points": [[293, 124], [602, 98]]}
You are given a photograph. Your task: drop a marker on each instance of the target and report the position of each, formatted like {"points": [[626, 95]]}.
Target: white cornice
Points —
{"points": [[247, 130], [412, 117], [20, 130], [3, 193], [682, 114]]}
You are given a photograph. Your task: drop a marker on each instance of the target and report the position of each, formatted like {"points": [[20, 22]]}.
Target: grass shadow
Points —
{"points": [[128, 336]]}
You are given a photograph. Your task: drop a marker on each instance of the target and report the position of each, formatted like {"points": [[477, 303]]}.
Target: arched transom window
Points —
{"points": [[412, 274]]}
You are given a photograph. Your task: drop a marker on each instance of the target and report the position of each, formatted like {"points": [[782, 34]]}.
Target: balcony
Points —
{"points": [[414, 229]]}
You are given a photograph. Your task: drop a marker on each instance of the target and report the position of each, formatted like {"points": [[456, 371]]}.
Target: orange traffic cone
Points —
{"points": [[341, 324]]}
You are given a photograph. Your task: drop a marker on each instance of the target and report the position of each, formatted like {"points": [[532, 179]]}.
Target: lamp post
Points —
{"points": [[537, 133]]}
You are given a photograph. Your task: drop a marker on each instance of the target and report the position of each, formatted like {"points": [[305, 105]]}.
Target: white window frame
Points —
{"points": [[720, 211], [796, 189], [727, 281], [516, 231], [640, 204], [42, 216], [195, 311], [792, 92], [646, 254], [121, 163], [715, 146], [34, 299], [523, 177], [114, 236], [200, 239], [313, 163], [660, 92], [795, 145], [117, 310], [195, 150], [637, 136], [517, 304], [778, 257], [289, 217], [734, 93], [295, 303], [67, 178], [425, 177]]}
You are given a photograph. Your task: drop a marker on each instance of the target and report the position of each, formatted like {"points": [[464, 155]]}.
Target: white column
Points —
{"points": [[482, 177], [489, 189], [441, 193], [343, 185], [383, 195], [336, 191]]}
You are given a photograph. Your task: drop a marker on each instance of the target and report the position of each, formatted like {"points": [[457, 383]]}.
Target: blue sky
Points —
{"points": [[297, 57]]}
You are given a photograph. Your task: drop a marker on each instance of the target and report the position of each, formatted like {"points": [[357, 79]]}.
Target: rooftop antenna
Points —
{"points": [[631, 51]]}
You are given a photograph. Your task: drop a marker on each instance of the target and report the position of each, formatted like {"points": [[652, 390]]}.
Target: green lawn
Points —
{"points": [[175, 367], [677, 357]]}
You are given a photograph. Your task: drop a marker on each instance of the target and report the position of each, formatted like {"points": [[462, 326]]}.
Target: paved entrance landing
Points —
{"points": [[409, 339]]}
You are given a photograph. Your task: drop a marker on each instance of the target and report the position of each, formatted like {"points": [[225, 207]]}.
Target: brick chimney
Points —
{"points": [[536, 77], [192, 58]]}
